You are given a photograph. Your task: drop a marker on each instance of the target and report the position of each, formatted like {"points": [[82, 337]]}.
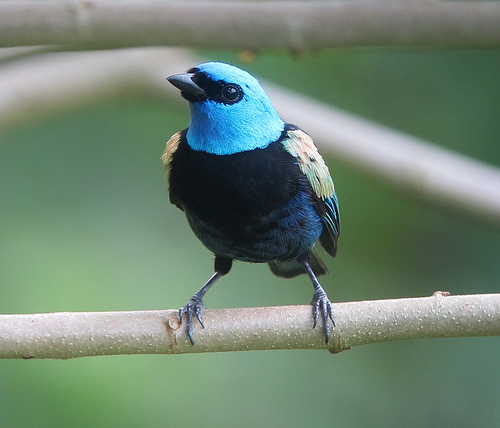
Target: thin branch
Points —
{"points": [[72, 335], [7, 54], [414, 166], [58, 81], [292, 25], [49, 83]]}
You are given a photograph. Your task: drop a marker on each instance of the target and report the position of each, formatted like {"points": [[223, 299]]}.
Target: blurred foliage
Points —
{"points": [[87, 226]]}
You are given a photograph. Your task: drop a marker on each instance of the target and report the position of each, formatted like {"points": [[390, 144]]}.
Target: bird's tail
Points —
{"points": [[292, 268]]}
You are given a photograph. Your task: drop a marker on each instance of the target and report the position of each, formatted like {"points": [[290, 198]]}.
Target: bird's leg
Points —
{"points": [[320, 302], [195, 305]]}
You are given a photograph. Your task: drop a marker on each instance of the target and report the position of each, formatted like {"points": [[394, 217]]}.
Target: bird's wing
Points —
{"points": [[167, 158], [311, 163], [170, 149]]}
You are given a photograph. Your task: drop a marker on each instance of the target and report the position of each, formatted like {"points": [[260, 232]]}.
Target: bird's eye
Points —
{"points": [[232, 93]]}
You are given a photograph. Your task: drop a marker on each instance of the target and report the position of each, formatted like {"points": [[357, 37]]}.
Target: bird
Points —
{"points": [[253, 187]]}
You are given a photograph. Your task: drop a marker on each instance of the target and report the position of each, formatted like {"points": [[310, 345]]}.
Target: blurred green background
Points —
{"points": [[86, 226]]}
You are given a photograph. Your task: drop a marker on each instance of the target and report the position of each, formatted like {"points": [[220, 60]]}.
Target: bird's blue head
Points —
{"points": [[230, 112]]}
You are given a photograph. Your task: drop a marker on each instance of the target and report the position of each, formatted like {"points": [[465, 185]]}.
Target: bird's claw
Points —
{"points": [[322, 305], [194, 307]]}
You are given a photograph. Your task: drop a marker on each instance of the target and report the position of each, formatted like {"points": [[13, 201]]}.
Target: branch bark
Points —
{"points": [[292, 25], [73, 335]]}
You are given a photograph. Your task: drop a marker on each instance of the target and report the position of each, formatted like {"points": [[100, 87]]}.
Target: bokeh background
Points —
{"points": [[85, 225]]}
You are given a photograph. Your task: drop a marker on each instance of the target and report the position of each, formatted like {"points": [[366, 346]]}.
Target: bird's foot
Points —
{"points": [[193, 308], [322, 305]]}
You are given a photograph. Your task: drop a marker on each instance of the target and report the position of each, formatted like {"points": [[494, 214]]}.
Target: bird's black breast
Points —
{"points": [[230, 189]]}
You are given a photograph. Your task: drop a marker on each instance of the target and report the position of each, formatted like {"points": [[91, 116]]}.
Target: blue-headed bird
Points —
{"points": [[253, 188]]}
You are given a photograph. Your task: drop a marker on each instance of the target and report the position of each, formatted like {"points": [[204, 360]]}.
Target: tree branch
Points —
{"points": [[412, 165], [72, 335], [292, 25]]}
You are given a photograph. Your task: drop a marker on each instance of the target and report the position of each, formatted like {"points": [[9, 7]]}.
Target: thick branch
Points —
{"points": [[72, 335], [292, 25]]}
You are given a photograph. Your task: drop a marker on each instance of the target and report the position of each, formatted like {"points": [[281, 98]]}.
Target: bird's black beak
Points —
{"points": [[189, 90]]}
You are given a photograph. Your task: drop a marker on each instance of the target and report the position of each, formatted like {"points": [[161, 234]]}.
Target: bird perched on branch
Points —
{"points": [[253, 187]]}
